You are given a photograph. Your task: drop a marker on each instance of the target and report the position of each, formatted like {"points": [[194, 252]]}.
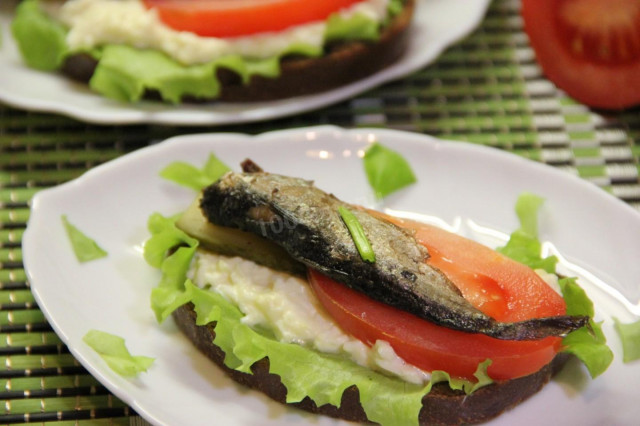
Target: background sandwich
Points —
{"points": [[181, 51]]}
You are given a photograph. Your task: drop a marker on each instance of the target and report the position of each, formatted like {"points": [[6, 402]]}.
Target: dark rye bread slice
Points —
{"points": [[442, 406], [342, 63]]}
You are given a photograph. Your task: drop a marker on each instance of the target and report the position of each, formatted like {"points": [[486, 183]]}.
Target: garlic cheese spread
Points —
{"points": [[287, 307], [94, 23]]}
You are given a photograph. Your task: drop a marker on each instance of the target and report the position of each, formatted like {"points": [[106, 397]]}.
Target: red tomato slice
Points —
{"points": [[426, 345], [232, 18], [502, 288], [588, 48], [513, 291]]}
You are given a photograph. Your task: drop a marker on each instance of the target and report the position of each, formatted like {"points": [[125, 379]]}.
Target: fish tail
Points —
{"points": [[539, 328]]}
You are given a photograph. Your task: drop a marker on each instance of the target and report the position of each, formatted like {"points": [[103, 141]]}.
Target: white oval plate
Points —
{"points": [[438, 24], [457, 182]]}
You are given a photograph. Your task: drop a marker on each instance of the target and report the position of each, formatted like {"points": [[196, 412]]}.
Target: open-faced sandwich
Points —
{"points": [[351, 313], [200, 50]]}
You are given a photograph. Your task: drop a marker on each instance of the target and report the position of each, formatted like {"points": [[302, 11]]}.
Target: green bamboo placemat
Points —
{"points": [[486, 90]]}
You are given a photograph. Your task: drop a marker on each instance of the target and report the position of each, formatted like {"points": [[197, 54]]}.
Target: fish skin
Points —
{"points": [[305, 221]]}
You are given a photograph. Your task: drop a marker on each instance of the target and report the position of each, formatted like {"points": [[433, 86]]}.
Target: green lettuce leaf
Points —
{"points": [[630, 337], [356, 27], [523, 245], [41, 41], [467, 386], [395, 7], [527, 208], [125, 73], [190, 176], [171, 293], [386, 170], [165, 236], [170, 249], [588, 343], [84, 247], [114, 351]]}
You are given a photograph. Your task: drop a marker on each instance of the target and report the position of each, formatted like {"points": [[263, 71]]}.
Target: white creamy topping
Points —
{"points": [[550, 279], [287, 306], [97, 22]]}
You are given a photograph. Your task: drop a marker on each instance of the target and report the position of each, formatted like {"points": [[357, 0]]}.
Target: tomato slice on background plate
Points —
{"points": [[495, 284], [588, 48], [233, 18]]}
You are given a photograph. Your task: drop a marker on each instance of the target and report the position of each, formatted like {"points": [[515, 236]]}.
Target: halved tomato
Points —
{"points": [[232, 18], [495, 284], [588, 48]]}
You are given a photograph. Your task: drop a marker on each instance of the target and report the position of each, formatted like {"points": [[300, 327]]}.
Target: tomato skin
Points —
{"points": [[607, 85], [233, 18], [426, 345]]}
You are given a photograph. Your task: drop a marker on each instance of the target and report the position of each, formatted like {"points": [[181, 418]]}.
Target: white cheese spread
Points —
{"points": [[287, 307], [550, 279], [94, 23]]}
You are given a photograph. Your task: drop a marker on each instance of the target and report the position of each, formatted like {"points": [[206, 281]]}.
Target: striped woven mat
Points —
{"points": [[486, 90]]}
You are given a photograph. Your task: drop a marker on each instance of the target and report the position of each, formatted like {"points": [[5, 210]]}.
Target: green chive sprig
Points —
{"points": [[357, 233]]}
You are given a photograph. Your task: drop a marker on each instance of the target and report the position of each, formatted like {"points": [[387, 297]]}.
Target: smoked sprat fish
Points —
{"points": [[305, 222]]}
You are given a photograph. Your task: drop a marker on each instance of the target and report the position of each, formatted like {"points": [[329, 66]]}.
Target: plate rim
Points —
{"points": [[416, 137]]}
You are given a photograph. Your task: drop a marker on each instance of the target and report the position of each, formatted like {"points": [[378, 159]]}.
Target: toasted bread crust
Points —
{"points": [[344, 63], [442, 406]]}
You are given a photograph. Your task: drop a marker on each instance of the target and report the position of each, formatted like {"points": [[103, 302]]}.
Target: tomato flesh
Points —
{"points": [[588, 48], [233, 18], [586, 29], [524, 293], [500, 287], [481, 290], [495, 284]]}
